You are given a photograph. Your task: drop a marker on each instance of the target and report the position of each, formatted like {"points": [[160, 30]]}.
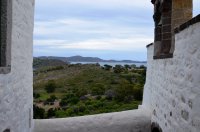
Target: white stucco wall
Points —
{"points": [[127, 121], [16, 87], [172, 90]]}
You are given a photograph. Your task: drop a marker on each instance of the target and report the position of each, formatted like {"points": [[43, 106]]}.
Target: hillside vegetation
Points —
{"points": [[76, 89], [39, 63]]}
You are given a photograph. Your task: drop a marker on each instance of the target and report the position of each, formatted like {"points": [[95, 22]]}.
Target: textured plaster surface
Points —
{"points": [[127, 121], [16, 86], [172, 89]]}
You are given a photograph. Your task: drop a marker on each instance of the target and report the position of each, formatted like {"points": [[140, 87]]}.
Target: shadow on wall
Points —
{"points": [[155, 127], [7, 130]]}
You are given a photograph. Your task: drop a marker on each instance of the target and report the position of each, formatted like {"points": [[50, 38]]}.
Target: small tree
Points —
{"points": [[107, 67], [133, 66], [98, 89], [124, 91], [38, 113], [36, 95], [52, 98], [143, 67], [63, 103], [110, 94], [118, 69], [127, 67], [51, 113], [50, 86], [97, 64], [138, 92]]}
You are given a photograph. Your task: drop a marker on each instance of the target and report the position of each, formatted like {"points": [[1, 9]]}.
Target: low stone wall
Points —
{"points": [[127, 121]]}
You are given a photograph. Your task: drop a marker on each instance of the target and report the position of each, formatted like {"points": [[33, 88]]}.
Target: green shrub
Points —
{"points": [[118, 69], [81, 92], [124, 91], [52, 98], [98, 97], [38, 113], [69, 99], [73, 100], [36, 95], [61, 113], [51, 113], [82, 108], [107, 67], [110, 94], [127, 66], [50, 86], [63, 103], [138, 92]]}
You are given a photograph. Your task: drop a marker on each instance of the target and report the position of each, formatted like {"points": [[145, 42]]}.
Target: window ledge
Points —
{"points": [[5, 70], [164, 56]]}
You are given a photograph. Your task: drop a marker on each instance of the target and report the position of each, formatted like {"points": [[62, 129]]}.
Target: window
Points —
{"points": [[5, 39]]}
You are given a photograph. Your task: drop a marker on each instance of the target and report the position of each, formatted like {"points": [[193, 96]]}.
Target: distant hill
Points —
{"points": [[86, 59], [83, 59], [53, 58], [43, 62]]}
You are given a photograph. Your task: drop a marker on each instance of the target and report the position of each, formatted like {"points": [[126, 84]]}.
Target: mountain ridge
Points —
{"points": [[79, 58]]}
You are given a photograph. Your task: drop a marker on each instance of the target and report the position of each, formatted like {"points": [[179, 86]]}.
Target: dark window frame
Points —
{"points": [[5, 39]]}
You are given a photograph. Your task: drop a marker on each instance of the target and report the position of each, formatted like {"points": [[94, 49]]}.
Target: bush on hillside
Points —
{"points": [[52, 98], [107, 67], [118, 69], [50, 86], [39, 113]]}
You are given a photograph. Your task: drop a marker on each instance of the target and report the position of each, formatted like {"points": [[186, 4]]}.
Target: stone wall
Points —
{"points": [[181, 12], [168, 14], [16, 86], [172, 90], [127, 121]]}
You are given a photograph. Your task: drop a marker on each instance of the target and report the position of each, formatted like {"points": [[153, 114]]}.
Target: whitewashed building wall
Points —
{"points": [[16, 87], [172, 89]]}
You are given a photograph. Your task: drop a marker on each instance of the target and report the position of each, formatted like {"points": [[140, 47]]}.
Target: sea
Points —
{"points": [[111, 63]]}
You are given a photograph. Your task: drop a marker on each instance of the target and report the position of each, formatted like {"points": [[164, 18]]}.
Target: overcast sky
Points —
{"points": [[109, 29]]}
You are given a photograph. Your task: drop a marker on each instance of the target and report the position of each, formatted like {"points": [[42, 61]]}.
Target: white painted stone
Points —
{"points": [[16, 87], [127, 121], [172, 85]]}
